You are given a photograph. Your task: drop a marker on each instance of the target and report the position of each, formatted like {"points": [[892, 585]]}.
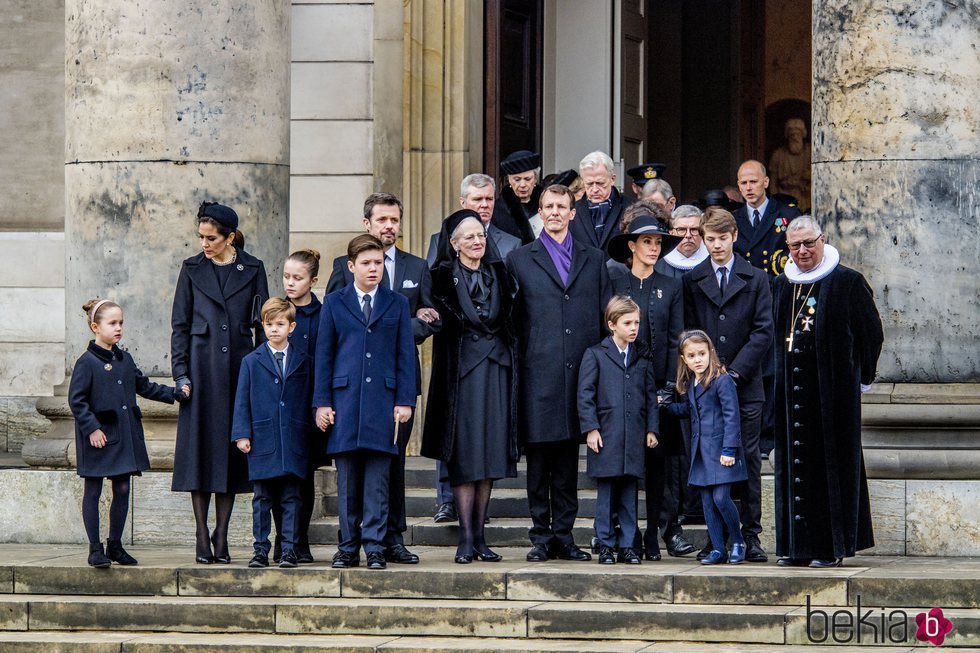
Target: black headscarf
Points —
{"points": [[446, 253]]}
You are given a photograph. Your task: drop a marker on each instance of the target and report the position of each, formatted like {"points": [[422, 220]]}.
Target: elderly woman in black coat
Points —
{"points": [[215, 324], [660, 298], [471, 416]]}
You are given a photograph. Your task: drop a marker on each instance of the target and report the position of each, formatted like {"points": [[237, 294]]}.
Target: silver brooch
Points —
{"points": [[108, 367], [660, 293], [240, 267]]}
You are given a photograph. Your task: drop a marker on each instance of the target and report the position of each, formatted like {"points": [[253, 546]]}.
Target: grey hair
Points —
{"points": [[804, 222], [536, 171], [453, 236], [657, 186], [686, 211], [597, 159], [476, 180]]}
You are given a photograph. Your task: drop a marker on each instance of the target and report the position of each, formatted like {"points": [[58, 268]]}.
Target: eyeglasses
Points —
{"points": [[809, 244], [690, 231]]}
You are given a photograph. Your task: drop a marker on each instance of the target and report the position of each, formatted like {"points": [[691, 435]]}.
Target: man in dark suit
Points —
{"points": [[407, 275], [601, 208], [762, 223], [365, 388], [477, 193], [562, 289], [731, 301]]}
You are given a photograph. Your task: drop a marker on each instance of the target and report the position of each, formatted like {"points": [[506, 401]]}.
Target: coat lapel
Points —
{"points": [[735, 280], [578, 261], [612, 351], [401, 263], [463, 295], [267, 361], [294, 358], [540, 256], [242, 274], [204, 278], [586, 228], [708, 282], [382, 300], [348, 297], [765, 224]]}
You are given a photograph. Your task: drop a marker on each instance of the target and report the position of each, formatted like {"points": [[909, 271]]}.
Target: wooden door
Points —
{"points": [[513, 79], [633, 74]]}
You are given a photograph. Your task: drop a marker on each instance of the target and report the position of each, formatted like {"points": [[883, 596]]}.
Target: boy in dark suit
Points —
{"points": [[731, 301], [365, 387], [271, 426]]}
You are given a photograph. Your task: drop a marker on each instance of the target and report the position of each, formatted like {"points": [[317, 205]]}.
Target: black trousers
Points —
{"points": [[552, 491], [283, 494], [397, 524], [654, 483], [749, 492], [444, 491], [362, 497]]}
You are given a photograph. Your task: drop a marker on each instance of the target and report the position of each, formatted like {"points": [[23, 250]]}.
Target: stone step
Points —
{"points": [[439, 618]]}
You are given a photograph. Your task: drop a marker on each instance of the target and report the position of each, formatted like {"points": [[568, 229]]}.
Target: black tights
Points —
{"points": [[472, 500], [223, 503], [118, 509]]}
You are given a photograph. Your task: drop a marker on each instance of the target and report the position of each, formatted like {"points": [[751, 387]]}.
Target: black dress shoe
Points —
{"points": [[97, 557], [204, 560], [572, 552], [446, 513], [824, 564], [345, 560], [703, 553], [793, 562], [486, 555], [629, 556], [606, 556], [288, 560], [594, 545], [114, 551], [303, 555], [538, 553], [376, 560], [277, 549], [258, 561], [400, 555], [654, 556], [463, 558], [678, 546], [754, 551]]}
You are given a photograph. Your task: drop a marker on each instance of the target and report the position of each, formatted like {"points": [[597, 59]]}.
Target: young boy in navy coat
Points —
{"points": [[271, 426], [364, 387]]}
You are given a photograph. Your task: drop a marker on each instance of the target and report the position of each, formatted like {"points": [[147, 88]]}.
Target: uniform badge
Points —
{"points": [[807, 322], [107, 367], [455, 281], [240, 267]]}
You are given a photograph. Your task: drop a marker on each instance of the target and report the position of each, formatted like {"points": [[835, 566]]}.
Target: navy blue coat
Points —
{"points": [[739, 324], [102, 395], [213, 330], [555, 325], [412, 280], [274, 414], [304, 335], [621, 403], [714, 425], [362, 370], [764, 246]]}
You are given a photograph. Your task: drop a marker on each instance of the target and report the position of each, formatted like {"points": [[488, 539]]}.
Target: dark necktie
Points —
{"points": [[755, 217], [279, 357], [724, 280], [624, 358], [367, 307]]}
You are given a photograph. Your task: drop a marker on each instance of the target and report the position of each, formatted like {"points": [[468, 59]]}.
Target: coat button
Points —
{"points": [[722, 339], [798, 332], [797, 480], [475, 337], [119, 381], [796, 370], [796, 425], [224, 350], [796, 443], [369, 331], [224, 327], [282, 403], [276, 381], [367, 355], [797, 518], [627, 376], [306, 336], [796, 388], [568, 332], [124, 407], [721, 317], [796, 406], [796, 461], [568, 365], [797, 499], [627, 395], [796, 351], [567, 297], [367, 380]]}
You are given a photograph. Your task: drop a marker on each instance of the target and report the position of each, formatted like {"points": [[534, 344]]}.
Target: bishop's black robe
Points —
{"points": [[822, 505]]}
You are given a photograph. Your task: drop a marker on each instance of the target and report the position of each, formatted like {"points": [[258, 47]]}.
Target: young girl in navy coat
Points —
{"points": [[108, 432], [717, 460], [617, 403]]}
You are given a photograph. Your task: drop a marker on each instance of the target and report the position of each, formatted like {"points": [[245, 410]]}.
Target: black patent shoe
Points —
{"points": [[703, 553], [400, 555], [97, 557], [653, 556], [446, 513], [606, 556], [288, 560], [221, 554], [679, 546], [258, 561], [376, 560], [826, 564], [572, 552], [345, 560], [793, 562], [203, 555], [303, 555], [114, 551], [486, 555], [629, 556], [754, 551], [538, 553]]}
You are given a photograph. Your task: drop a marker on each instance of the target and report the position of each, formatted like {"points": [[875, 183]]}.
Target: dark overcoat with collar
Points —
{"points": [[503, 243], [556, 323], [715, 424], [303, 337], [275, 414], [621, 403], [458, 348], [412, 280], [212, 331], [764, 246], [662, 320], [739, 324], [848, 342], [102, 395], [364, 369], [509, 216], [582, 229]]}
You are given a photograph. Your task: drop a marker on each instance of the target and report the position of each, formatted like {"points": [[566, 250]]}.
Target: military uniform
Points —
{"points": [[764, 245]]}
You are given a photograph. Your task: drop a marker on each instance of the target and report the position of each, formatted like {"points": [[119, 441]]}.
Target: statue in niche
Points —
{"points": [[789, 167]]}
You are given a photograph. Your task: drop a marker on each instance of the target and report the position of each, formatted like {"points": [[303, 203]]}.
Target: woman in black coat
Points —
{"points": [[216, 303], [471, 415], [660, 298]]}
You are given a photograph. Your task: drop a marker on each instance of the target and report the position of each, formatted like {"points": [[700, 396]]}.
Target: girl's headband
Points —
{"points": [[95, 309]]}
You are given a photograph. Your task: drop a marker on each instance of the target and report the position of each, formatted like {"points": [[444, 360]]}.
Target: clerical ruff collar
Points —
{"points": [[677, 260], [831, 259]]}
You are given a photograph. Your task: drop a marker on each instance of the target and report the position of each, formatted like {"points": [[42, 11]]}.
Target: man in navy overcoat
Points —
{"points": [[365, 388]]}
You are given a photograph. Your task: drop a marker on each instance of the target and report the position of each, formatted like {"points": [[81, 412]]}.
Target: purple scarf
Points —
{"points": [[560, 253]]}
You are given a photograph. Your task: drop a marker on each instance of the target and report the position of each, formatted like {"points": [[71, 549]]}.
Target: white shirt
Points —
{"points": [[623, 351], [761, 210], [389, 268], [285, 353], [360, 296], [728, 266]]}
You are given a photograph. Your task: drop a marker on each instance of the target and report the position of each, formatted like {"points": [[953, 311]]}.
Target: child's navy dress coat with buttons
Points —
{"points": [[102, 395]]}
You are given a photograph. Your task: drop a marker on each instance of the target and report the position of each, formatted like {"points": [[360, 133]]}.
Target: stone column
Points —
{"points": [[167, 105], [896, 184]]}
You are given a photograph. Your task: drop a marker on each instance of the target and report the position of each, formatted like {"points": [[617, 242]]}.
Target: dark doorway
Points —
{"points": [[513, 85]]}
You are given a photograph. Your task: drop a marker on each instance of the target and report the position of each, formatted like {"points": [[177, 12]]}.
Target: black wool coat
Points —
{"points": [[581, 226], [102, 395], [739, 324], [848, 343], [508, 213], [212, 331], [621, 403], [555, 325], [764, 246], [412, 280], [661, 321], [456, 348]]}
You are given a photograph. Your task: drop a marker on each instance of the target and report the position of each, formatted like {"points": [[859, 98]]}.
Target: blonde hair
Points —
{"points": [[685, 375], [619, 306], [308, 257], [95, 307], [278, 307]]}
